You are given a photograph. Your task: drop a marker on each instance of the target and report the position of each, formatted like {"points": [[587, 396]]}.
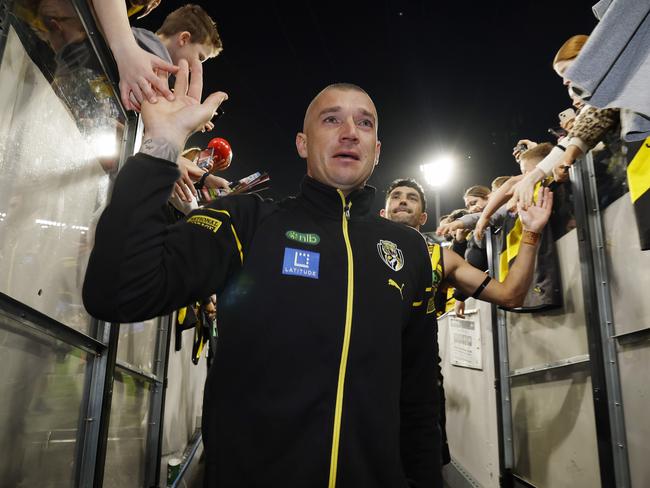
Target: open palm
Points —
{"points": [[176, 120], [535, 217]]}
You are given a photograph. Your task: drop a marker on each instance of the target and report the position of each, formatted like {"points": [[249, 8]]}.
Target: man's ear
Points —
{"points": [[184, 38], [377, 151], [382, 213], [301, 144], [423, 218]]}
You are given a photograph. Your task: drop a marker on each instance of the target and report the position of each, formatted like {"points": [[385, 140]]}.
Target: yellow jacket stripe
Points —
{"points": [[338, 411], [234, 232]]}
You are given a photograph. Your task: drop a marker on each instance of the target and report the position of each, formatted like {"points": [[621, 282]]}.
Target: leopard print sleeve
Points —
{"points": [[592, 123]]}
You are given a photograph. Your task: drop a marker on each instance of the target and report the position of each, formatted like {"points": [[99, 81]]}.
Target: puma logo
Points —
{"points": [[392, 282]]}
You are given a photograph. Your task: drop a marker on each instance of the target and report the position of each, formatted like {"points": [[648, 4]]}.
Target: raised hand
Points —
{"points": [[517, 151], [535, 217], [175, 120], [523, 191], [184, 186], [139, 76]]}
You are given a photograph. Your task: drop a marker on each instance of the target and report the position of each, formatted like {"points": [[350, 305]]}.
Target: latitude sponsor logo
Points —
{"points": [[303, 237], [298, 262]]}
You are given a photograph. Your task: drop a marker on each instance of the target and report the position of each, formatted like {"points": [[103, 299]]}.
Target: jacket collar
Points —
{"points": [[327, 201]]}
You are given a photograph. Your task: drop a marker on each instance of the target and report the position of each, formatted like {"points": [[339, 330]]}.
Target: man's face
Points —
{"points": [[404, 205], [339, 140], [182, 47]]}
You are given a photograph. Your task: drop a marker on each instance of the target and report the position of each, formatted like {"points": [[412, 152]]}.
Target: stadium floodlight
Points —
{"points": [[438, 171]]}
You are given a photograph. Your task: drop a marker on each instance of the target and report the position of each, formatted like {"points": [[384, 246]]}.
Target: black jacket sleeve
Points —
{"points": [[141, 267], [420, 399]]}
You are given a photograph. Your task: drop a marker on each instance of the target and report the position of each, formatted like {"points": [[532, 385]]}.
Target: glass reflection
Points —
{"points": [[60, 133], [137, 345], [554, 435], [127, 436], [41, 391]]}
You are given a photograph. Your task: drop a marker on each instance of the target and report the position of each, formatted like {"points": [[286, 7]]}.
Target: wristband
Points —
{"points": [[201, 183], [529, 237], [481, 287], [548, 163]]}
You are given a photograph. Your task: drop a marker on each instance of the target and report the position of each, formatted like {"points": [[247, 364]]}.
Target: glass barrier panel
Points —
{"points": [[41, 395], [535, 339], [610, 162], [127, 435], [137, 345], [634, 366], [629, 282], [61, 135], [554, 432], [627, 266]]}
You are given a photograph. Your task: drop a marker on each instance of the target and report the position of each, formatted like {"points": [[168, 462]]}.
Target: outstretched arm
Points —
{"points": [[138, 68], [497, 199], [141, 267], [512, 291], [589, 127]]}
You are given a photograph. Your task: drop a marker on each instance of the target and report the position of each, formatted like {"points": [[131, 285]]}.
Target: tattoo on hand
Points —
{"points": [[159, 147]]}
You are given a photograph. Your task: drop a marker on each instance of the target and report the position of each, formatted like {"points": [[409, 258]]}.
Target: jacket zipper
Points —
{"points": [[338, 410]]}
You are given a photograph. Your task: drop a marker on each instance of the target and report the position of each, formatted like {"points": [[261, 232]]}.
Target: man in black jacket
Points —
{"points": [[325, 372]]}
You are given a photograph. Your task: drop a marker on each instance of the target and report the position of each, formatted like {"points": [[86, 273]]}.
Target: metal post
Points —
{"points": [[438, 213], [608, 410], [106, 399], [155, 431], [606, 323], [89, 425], [501, 372]]}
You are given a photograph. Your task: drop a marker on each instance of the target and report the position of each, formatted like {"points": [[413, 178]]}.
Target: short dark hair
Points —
{"points": [[411, 183]]}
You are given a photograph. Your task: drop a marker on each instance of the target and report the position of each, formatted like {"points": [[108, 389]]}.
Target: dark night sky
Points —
{"points": [[469, 78]]}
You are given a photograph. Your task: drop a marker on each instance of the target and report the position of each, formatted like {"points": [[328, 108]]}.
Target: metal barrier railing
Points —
{"points": [[602, 358]]}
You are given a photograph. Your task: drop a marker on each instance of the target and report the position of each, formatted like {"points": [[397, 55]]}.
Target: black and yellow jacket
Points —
{"points": [[325, 374]]}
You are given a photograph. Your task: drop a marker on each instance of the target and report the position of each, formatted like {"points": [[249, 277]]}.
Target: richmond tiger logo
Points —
{"points": [[390, 254]]}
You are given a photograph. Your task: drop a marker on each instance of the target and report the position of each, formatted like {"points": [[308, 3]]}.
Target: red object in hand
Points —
{"points": [[222, 153]]}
